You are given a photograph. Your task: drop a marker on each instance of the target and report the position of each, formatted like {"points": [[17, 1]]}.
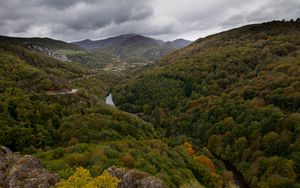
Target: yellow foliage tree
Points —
{"points": [[189, 148], [82, 179]]}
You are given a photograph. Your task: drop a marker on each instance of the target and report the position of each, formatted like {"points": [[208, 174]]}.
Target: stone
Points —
{"points": [[134, 178], [26, 171]]}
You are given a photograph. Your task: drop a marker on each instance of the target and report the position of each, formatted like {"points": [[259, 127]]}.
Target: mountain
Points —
{"points": [[46, 42], [31, 69], [178, 43], [236, 93], [133, 48], [50, 47], [121, 40], [66, 52]]}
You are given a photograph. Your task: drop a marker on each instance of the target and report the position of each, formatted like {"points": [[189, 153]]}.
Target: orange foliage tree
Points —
{"points": [[206, 162]]}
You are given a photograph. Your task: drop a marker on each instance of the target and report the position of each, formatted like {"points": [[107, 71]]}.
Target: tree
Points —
{"points": [[206, 162], [128, 160], [82, 179], [189, 148]]}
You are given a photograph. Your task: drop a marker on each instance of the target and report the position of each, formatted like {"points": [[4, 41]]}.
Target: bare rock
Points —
{"points": [[18, 171], [134, 178]]}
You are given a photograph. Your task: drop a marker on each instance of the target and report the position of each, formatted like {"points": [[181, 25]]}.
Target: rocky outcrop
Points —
{"points": [[26, 171], [134, 178], [49, 52]]}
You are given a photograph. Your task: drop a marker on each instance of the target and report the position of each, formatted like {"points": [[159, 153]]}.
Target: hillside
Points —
{"points": [[47, 42], [236, 93], [178, 43], [133, 48], [40, 116], [50, 47], [63, 51], [30, 70]]}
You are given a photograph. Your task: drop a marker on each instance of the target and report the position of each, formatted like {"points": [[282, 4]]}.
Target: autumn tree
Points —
{"points": [[82, 179]]}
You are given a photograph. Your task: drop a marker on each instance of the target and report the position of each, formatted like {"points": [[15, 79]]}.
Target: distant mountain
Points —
{"points": [[115, 53], [117, 41], [133, 48], [53, 48], [46, 42], [178, 43]]}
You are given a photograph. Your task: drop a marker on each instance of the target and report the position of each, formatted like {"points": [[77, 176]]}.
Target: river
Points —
{"points": [[109, 100], [238, 178]]}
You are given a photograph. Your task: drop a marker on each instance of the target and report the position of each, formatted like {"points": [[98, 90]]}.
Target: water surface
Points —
{"points": [[109, 100]]}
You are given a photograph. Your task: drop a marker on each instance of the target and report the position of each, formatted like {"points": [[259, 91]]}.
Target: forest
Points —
{"points": [[236, 93], [67, 131], [229, 98]]}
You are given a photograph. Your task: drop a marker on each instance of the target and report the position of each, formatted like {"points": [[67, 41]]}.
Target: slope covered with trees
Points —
{"points": [[175, 166], [236, 93], [32, 119], [69, 130], [47, 42]]}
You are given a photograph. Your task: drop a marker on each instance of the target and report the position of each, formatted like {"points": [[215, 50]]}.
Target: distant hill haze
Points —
{"points": [[133, 48]]}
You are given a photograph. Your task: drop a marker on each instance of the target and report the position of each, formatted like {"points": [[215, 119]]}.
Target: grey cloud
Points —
{"points": [[278, 9], [167, 19], [58, 4], [99, 15], [75, 14], [274, 10]]}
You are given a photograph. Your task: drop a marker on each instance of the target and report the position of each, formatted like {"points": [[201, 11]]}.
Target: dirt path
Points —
{"points": [[62, 92], [72, 91]]}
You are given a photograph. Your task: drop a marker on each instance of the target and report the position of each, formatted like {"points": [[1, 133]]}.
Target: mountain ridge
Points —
{"points": [[133, 48], [42, 41], [91, 44]]}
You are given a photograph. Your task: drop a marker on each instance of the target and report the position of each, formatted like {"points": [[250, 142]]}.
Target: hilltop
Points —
{"points": [[133, 48]]}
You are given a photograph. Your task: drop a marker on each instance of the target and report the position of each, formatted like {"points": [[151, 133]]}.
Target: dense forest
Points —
{"points": [[231, 98], [32, 119], [236, 93], [69, 130]]}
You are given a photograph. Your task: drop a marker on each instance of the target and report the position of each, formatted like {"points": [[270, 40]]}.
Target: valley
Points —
{"points": [[222, 111], [237, 178]]}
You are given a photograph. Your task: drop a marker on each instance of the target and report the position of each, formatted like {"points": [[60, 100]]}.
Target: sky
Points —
{"points": [[74, 20]]}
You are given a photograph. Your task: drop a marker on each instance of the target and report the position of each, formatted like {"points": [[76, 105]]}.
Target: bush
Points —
{"points": [[82, 179]]}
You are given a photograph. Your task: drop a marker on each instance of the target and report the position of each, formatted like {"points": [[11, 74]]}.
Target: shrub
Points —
{"points": [[82, 179]]}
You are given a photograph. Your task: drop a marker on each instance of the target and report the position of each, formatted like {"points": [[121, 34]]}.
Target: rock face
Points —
{"points": [[134, 178], [49, 52], [26, 171]]}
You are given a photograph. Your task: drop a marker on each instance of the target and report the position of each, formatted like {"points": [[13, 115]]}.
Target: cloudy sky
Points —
{"points": [[73, 20]]}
